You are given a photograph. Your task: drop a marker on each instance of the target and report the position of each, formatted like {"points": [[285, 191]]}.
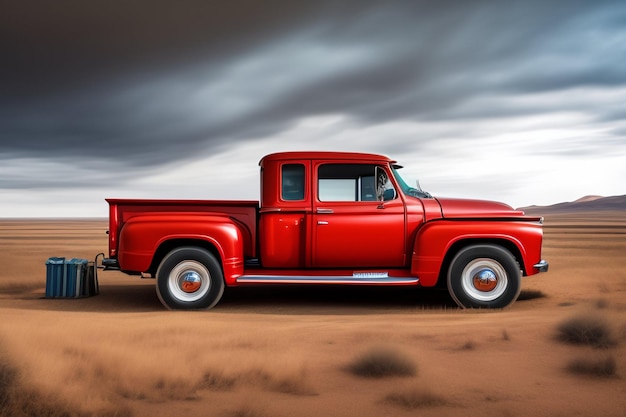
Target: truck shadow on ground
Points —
{"points": [[322, 299], [278, 299]]}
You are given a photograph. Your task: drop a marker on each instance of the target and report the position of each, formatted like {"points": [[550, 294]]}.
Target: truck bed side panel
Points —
{"points": [[244, 213], [142, 236]]}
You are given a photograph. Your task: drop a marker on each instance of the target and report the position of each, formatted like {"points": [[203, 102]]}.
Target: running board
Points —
{"points": [[347, 280]]}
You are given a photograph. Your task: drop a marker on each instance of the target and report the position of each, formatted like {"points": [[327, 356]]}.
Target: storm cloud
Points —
{"points": [[101, 93]]}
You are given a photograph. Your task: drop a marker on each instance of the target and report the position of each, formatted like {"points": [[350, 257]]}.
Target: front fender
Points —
{"points": [[436, 238], [141, 237]]}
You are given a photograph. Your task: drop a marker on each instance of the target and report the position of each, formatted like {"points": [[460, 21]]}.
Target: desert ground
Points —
{"points": [[284, 351]]}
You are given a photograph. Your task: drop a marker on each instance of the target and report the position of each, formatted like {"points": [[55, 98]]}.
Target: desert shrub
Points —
{"points": [[415, 399], [586, 330], [382, 362], [603, 367]]}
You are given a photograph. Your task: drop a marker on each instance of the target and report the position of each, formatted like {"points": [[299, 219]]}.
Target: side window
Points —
{"points": [[292, 182], [351, 182]]}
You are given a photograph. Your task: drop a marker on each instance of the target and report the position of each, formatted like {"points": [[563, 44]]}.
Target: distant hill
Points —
{"points": [[587, 203]]}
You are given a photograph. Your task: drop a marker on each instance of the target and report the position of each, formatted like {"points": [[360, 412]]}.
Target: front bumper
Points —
{"points": [[542, 266]]}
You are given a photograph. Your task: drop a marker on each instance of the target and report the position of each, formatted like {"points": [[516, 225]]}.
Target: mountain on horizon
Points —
{"points": [[586, 203]]}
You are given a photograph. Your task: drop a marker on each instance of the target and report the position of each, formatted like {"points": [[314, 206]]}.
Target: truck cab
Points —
{"points": [[330, 210]]}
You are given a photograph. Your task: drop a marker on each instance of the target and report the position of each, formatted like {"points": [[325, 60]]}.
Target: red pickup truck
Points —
{"points": [[326, 218]]}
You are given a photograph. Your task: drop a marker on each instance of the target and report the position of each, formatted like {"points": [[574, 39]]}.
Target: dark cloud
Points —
{"points": [[142, 83]]}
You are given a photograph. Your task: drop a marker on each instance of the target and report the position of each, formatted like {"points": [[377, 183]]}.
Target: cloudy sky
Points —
{"points": [[517, 101]]}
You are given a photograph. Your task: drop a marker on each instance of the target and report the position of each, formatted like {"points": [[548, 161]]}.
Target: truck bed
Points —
{"points": [[244, 212]]}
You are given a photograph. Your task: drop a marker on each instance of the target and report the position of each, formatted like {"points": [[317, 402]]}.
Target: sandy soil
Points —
{"points": [[286, 351]]}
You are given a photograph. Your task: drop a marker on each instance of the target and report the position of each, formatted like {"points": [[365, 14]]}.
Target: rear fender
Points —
{"points": [[438, 240], [143, 237]]}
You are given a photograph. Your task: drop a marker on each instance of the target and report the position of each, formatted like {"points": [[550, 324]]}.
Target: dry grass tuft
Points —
{"points": [[586, 330], [174, 389], [217, 381], [415, 399], [382, 362], [294, 384], [603, 367], [246, 411], [19, 401]]}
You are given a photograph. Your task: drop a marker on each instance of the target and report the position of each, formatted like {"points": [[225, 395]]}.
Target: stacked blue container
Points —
{"points": [[76, 277], [55, 276], [70, 278]]}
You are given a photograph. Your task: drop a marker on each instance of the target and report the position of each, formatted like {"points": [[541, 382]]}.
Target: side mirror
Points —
{"points": [[389, 194]]}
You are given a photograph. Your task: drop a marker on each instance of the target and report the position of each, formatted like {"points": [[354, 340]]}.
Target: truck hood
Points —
{"points": [[461, 208]]}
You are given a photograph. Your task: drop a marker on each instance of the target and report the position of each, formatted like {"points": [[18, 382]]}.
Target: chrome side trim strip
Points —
{"points": [[268, 279]]}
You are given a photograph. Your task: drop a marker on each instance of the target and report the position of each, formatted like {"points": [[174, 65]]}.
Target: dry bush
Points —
{"points": [[382, 362], [602, 367], [589, 330], [415, 398]]}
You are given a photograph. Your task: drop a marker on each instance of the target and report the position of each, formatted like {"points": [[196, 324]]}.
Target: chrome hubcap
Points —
{"points": [[484, 279], [189, 281]]}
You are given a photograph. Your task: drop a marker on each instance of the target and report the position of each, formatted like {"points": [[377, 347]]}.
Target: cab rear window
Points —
{"points": [[292, 182]]}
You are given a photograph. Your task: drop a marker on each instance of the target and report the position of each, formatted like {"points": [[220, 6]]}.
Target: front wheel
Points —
{"points": [[189, 278], [484, 276]]}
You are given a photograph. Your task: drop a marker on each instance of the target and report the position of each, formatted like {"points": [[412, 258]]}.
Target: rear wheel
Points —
{"points": [[484, 276], [189, 278]]}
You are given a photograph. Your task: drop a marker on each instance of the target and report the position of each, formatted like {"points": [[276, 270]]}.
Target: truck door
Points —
{"points": [[358, 218]]}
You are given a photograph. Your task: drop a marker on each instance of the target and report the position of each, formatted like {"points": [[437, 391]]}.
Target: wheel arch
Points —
{"points": [[463, 243], [169, 245]]}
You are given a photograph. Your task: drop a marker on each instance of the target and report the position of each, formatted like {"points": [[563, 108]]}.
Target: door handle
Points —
{"points": [[322, 222], [324, 211]]}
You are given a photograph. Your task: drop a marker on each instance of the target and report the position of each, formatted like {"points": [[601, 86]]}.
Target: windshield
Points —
{"points": [[406, 188]]}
